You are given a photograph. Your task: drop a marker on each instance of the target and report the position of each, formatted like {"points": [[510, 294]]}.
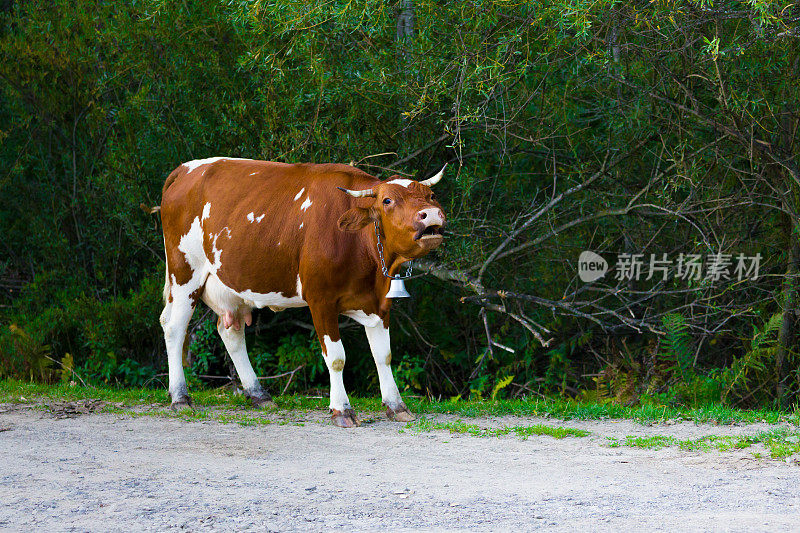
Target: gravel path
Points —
{"points": [[112, 472]]}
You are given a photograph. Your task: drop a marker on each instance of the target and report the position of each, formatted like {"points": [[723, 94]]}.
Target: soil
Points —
{"points": [[72, 468]]}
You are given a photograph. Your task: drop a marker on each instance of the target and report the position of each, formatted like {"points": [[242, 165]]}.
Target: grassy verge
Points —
{"points": [[461, 427], [251, 418], [574, 410], [18, 391], [780, 442]]}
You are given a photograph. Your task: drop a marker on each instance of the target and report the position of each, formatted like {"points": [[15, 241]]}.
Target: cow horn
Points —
{"points": [[430, 182], [358, 194]]}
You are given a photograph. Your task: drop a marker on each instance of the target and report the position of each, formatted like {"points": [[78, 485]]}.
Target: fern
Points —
{"points": [[500, 385], [773, 325], [34, 354], [763, 346], [678, 343]]}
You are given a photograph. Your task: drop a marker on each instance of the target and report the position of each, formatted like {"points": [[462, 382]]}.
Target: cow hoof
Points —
{"points": [[260, 399], [265, 402], [346, 419], [401, 414], [182, 404]]}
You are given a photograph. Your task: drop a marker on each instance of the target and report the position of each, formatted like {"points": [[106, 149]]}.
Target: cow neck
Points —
{"points": [[393, 260]]}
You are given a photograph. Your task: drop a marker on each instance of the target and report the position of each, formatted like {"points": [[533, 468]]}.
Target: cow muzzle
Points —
{"points": [[429, 224]]}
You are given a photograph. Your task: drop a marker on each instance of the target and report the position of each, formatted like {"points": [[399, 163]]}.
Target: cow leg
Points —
{"points": [[233, 339], [174, 320], [326, 322], [378, 338]]}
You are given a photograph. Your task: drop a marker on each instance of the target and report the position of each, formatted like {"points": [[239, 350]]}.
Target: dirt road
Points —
{"points": [[115, 472]]}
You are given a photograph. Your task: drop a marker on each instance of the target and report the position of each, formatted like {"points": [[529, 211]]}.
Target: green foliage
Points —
{"points": [[646, 413], [100, 100], [300, 350], [678, 345], [108, 341], [206, 354], [500, 385], [780, 442], [410, 372], [25, 352], [460, 427], [750, 374]]}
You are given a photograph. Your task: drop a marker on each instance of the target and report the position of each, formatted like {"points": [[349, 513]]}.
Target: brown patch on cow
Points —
{"points": [[196, 294], [337, 365], [389, 358]]}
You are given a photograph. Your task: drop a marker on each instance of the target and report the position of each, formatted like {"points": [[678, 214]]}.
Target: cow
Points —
{"points": [[242, 234]]}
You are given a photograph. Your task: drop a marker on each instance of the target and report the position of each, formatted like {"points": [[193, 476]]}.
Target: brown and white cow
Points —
{"points": [[242, 234]]}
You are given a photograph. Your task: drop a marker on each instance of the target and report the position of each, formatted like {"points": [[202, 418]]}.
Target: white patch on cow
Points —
{"points": [[279, 243], [400, 181], [216, 252], [378, 338], [253, 173], [177, 313], [191, 165], [301, 225], [251, 216], [363, 318], [259, 218], [222, 298], [270, 299], [299, 295], [305, 205], [174, 321], [206, 211], [234, 342], [165, 294], [334, 352], [191, 245], [298, 195]]}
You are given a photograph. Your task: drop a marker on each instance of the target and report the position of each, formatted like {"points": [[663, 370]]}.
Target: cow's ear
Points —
{"points": [[354, 219]]}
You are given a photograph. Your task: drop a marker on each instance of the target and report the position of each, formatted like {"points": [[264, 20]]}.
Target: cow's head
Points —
{"points": [[406, 210]]}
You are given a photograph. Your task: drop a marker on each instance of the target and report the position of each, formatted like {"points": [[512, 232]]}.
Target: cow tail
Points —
{"points": [[166, 284], [150, 210]]}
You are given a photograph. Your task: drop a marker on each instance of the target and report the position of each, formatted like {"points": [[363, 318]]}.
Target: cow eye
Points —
{"points": [[433, 196], [387, 201]]}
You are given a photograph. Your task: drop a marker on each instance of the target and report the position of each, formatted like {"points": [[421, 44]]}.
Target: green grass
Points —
{"points": [[780, 442], [255, 418], [651, 443], [564, 409], [461, 427]]}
